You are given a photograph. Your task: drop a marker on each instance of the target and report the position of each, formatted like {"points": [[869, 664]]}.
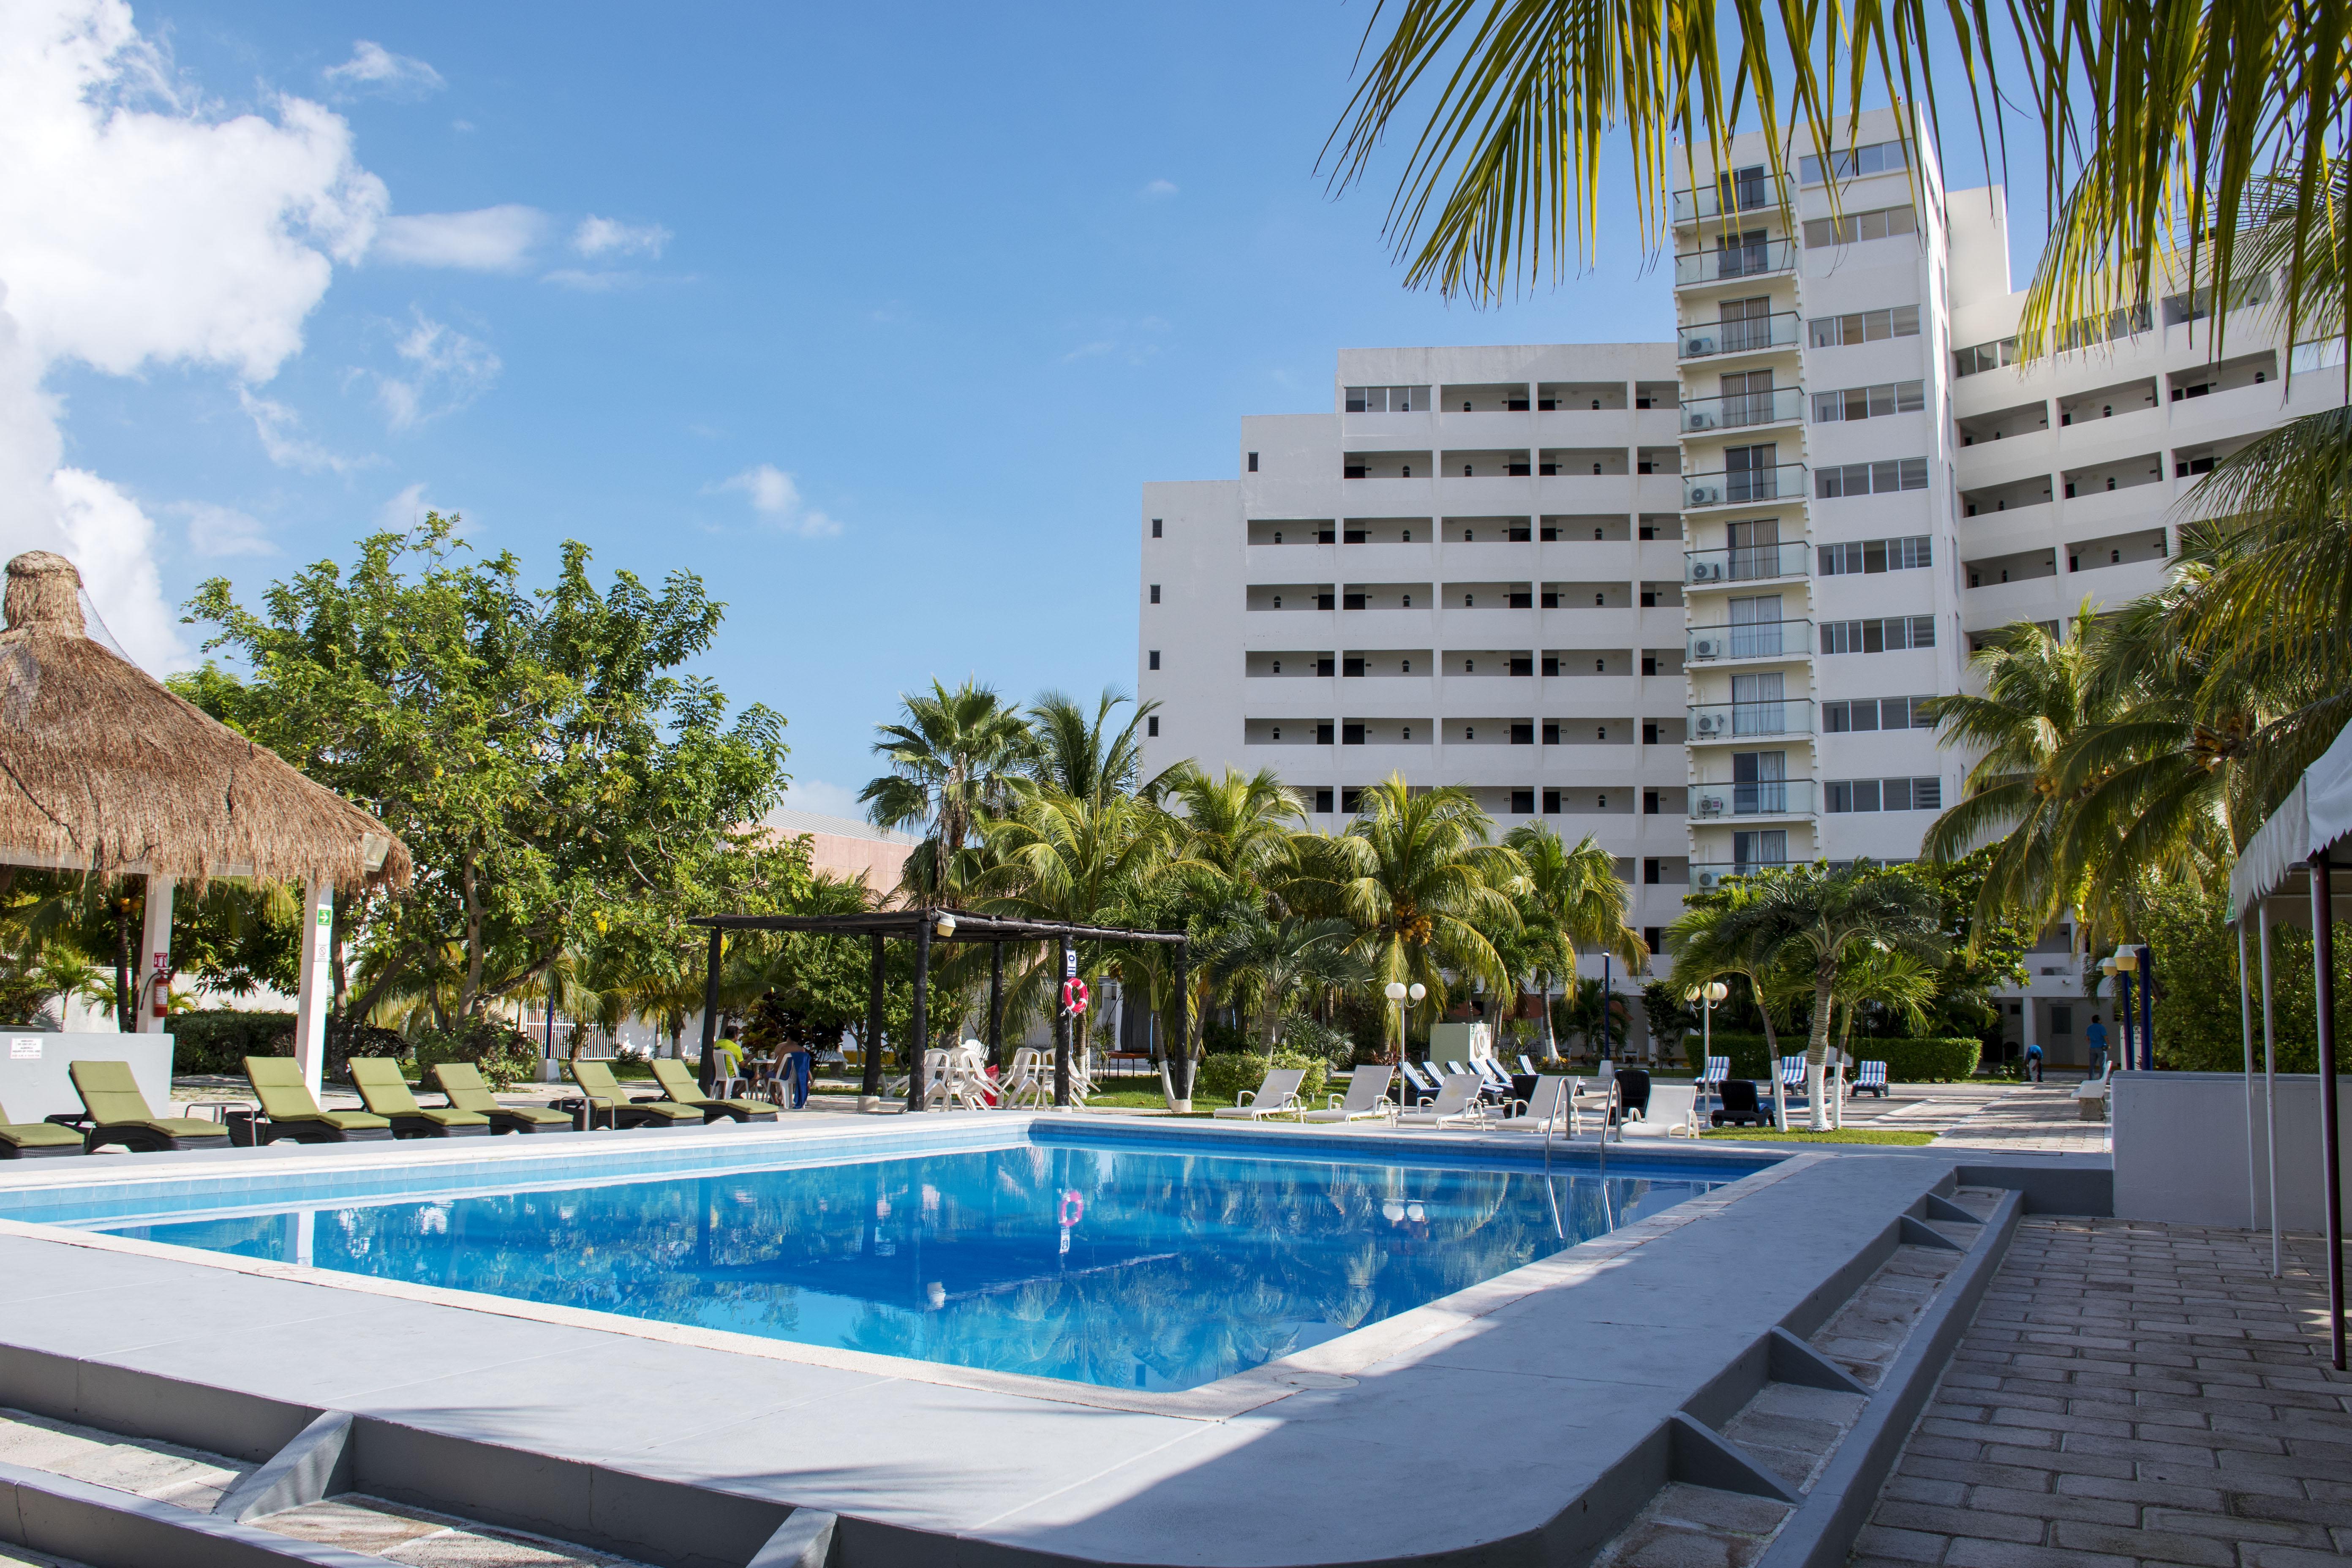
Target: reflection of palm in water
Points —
{"points": [[1185, 1269]]}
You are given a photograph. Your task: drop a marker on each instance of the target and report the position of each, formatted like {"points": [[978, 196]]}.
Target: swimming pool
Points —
{"points": [[1114, 1261]]}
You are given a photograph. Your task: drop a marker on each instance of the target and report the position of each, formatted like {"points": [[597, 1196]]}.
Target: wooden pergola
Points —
{"points": [[923, 927]]}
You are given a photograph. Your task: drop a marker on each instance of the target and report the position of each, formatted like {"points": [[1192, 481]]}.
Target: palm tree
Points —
{"points": [[1701, 952], [1415, 874], [1081, 755], [952, 760], [2159, 120], [1575, 893], [1239, 826], [1812, 918], [1267, 963]]}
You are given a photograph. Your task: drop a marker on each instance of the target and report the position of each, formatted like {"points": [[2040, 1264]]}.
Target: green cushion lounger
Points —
{"points": [[680, 1085], [288, 1111], [467, 1090], [34, 1139], [122, 1115], [608, 1099], [387, 1093]]}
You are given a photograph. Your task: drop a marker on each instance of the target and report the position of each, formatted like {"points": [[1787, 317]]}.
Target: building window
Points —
{"points": [[1872, 158], [1352, 800], [1252, 462], [1883, 794], [1151, 726], [1551, 802], [1865, 327], [1869, 402], [1865, 713], [1155, 658], [1653, 871], [1879, 223], [1523, 803], [1387, 400], [1322, 799], [1874, 555], [1155, 593], [1155, 528], [1887, 636], [1653, 937], [1866, 479]]}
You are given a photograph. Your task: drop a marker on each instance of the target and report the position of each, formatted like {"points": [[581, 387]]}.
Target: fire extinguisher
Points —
{"points": [[159, 986]]}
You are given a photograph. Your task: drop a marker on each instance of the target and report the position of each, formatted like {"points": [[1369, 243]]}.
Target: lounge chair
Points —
{"points": [[1497, 1081], [608, 1099], [1870, 1078], [1551, 1104], [1741, 1107], [35, 1140], [680, 1085], [1526, 1065], [1423, 1089], [1368, 1098], [1456, 1101], [383, 1091], [120, 1114], [1277, 1095], [467, 1090], [288, 1110], [1634, 1094]]}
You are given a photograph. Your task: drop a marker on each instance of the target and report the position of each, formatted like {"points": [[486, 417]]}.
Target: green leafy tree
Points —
{"points": [[1270, 964]]}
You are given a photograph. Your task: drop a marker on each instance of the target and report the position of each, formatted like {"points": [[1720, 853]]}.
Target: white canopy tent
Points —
{"points": [[2291, 873]]}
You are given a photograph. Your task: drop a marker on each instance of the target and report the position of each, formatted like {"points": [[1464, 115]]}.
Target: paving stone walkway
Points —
{"points": [[2132, 1393]]}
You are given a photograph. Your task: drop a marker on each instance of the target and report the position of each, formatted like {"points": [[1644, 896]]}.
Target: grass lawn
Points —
{"points": [[1835, 1135], [1149, 1099]]}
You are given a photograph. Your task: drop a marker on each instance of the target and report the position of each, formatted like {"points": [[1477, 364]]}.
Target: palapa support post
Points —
{"points": [[155, 957], [1065, 1023], [709, 1062], [918, 1028], [318, 984], [870, 1089], [2323, 955], [2147, 1009], [996, 1004], [1180, 1062]]}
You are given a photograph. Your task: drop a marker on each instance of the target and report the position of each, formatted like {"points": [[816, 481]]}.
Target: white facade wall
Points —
{"points": [[1726, 725]]}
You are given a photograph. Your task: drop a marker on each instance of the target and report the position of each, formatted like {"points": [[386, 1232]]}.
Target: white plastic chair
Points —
{"points": [[1277, 1095], [1368, 1098]]}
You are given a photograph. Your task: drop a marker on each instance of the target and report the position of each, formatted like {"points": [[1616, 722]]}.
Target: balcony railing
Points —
{"points": [[1730, 263], [1744, 487], [1748, 563], [1729, 194], [1754, 639], [1741, 409], [1737, 721], [1758, 797], [1708, 340], [1705, 876]]}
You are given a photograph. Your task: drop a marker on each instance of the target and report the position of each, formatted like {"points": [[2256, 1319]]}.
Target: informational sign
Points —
{"points": [[24, 1048]]}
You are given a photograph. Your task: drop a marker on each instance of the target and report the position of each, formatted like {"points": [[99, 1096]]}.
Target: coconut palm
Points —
{"points": [[1267, 964], [1083, 755], [952, 760], [1702, 951], [1812, 918], [1239, 826], [1416, 875], [1576, 893], [2157, 119]]}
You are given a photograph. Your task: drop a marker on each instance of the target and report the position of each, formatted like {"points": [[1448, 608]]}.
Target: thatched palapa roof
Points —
{"points": [[103, 769]]}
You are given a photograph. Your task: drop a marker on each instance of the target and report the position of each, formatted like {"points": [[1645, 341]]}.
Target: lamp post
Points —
{"points": [[2126, 963], [1398, 993], [1707, 996]]}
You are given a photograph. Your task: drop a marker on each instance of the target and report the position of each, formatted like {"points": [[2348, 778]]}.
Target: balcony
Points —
{"points": [[1741, 720], [1743, 487], [1705, 876], [1730, 193], [1742, 409], [1734, 263], [1750, 564], [1758, 797], [1754, 640], [1713, 340]]}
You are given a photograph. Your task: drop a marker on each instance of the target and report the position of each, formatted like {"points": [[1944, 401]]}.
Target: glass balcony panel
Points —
{"points": [[1748, 564], [1736, 720], [1743, 487], [1749, 193], [1729, 263], [1705, 340], [1744, 408], [1758, 640], [1756, 797]]}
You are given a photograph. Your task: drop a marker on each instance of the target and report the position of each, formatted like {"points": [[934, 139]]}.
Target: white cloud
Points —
{"points": [[280, 427], [775, 497], [374, 69], [1158, 190], [491, 239], [445, 371], [592, 282], [610, 236], [136, 230], [404, 510], [829, 799], [224, 531]]}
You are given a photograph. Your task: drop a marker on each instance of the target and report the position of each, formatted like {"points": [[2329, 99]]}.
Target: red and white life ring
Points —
{"points": [[1073, 996], [1073, 1208]]}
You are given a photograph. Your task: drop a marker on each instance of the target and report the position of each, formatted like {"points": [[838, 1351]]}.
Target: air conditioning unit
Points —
{"points": [[1710, 805], [1698, 419], [1706, 495], [1712, 724], [1707, 571], [1706, 648], [1693, 347]]}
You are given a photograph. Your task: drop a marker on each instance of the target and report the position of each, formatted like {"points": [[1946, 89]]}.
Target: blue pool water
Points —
{"points": [[1102, 1264]]}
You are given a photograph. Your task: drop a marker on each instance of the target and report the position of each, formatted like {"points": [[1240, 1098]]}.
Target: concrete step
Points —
{"points": [[144, 1467], [357, 1522]]}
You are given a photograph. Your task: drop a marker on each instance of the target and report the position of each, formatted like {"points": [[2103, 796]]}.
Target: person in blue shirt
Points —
{"points": [[2034, 1060], [2096, 1035]]}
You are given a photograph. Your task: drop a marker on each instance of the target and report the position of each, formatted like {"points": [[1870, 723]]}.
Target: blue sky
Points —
{"points": [[876, 318]]}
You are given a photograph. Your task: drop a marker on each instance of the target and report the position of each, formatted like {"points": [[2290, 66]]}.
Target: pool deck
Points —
{"points": [[1468, 1430]]}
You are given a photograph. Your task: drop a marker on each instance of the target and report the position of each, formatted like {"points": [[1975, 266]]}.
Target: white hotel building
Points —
{"points": [[1685, 597]]}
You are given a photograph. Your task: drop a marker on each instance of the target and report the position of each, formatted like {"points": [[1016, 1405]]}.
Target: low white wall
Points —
{"points": [[33, 1081], [2180, 1149]]}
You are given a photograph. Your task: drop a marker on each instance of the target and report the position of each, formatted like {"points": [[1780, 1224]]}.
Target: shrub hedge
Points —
{"points": [[1222, 1075], [1907, 1061], [219, 1041]]}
